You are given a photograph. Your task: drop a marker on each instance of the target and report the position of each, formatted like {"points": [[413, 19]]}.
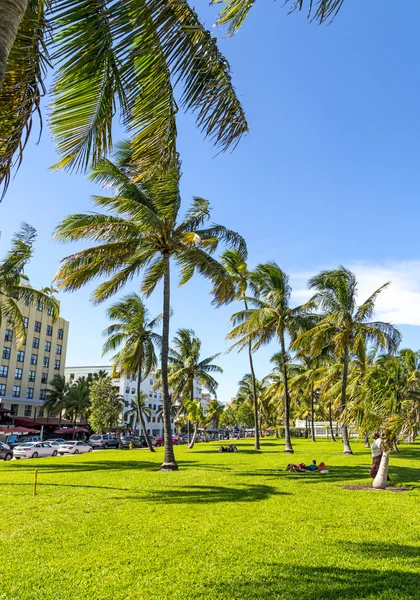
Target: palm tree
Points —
{"points": [[57, 396], [237, 268], [14, 284], [138, 410], [133, 334], [142, 234], [271, 318], [195, 414], [214, 411], [245, 394], [345, 327], [77, 400], [111, 62]]}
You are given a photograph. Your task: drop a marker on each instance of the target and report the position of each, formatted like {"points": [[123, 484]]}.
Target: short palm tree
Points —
{"points": [[142, 233], [213, 412], [247, 387], [77, 401], [113, 61], [345, 327], [132, 334], [14, 285], [237, 268], [57, 396], [270, 318], [139, 411], [195, 414]]}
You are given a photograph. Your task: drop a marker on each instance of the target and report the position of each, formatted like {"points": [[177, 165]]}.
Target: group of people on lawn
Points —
{"points": [[302, 468]]}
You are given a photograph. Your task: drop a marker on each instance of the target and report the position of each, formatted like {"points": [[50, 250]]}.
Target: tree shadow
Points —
{"points": [[381, 550], [318, 583], [73, 467], [205, 494], [71, 485]]}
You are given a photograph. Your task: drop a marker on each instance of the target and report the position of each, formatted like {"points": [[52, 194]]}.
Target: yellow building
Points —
{"points": [[26, 371]]}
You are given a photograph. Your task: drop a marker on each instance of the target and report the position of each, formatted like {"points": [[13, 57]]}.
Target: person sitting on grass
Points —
{"points": [[296, 468], [312, 466]]}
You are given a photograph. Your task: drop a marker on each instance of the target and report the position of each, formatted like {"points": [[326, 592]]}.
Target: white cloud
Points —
{"points": [[398, 304]]}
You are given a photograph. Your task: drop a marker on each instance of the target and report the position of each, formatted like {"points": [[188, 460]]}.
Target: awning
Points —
{"points": [[4, 411], [14, 430], [65, 430]]}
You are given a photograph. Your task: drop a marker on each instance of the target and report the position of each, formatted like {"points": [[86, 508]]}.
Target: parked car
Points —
{"points": [[106, 440], [127, 440], [74, 447], [56, 440], [6, 453], [34, 450], [176, 439], [17, 440]]}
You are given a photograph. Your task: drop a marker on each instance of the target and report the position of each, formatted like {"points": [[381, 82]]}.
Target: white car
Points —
{"points": [[74, 447], [34, 450]]}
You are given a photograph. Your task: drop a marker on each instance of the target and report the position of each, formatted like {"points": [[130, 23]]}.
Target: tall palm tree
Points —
{"points": [[271, 318], [195, 414], [77, 401], [133, 335], [214, 411], [247, 386], [57, 396], [237, 268], [142, 234], [14, 284], [345, 327], [112, 61]]}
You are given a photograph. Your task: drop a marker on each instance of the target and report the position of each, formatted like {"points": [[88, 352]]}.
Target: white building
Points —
{"points": [[127, 388]]}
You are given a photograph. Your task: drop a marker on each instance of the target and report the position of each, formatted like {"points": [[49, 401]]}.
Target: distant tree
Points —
{"points": [[195, 414], [214, 412], [77, 402], [106, 405], [56, 396]]}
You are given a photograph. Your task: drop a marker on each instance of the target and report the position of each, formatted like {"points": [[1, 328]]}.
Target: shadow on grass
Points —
{"points": [[71, 485], [73, 467], [203, 494], [380, 550], [318, 583]]}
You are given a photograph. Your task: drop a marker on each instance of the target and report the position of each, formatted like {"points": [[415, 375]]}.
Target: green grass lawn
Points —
{"points": [[109, 526]]}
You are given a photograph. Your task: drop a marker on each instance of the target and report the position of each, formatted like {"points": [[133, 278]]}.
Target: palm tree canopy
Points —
{"points": [[141, 227], [234, 262], [14, 285], [115, 60], [57, 394], [133, 334]]}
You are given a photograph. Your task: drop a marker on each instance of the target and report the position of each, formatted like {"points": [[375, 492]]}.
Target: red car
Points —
{"points": [[176, 439]]}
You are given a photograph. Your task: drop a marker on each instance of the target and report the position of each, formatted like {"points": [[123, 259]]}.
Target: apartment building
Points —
{"points": [[25, 371], [127, 388]]}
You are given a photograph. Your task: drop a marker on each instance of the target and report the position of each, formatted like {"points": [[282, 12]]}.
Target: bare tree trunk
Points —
{"points": [[11, 13], [288, 448], [381, 477], [191, 444], [346, 442], [366, 436], [140, 412], [312, 413], [331, 423], [169, 463], [254, 393]]}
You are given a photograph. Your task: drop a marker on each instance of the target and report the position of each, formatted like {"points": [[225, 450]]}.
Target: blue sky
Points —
{"points": [[328, 175]]}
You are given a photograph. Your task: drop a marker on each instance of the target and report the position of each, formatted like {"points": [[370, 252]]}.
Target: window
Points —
{"points": [[28, 410], [40, 306], [35, 343], [133, 390], [49, 330], [44, 378], [6, 353], [2, 389], [71, 376], [150, 395], [41, 413], [26, 301], [127, 390], [46, 362], [155, 396], [18, 373], [31, 375], [16, 391], [26, 322], [151, 382], [37, 326], [150, 406], [8, 336], [15, 409], [126, 404], [30, 394], [50, 312], [4, 371], [154, 419], [57, 364], [47, 347], [34, 359], [58, 349], [20, 356], [60, 334], [43, 394]]}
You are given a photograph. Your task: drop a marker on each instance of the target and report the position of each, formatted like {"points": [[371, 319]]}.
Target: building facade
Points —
{"points": [[25, 371]]}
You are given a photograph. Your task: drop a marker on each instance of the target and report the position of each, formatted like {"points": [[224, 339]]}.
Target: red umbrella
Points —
{"points": [[63, 430], [81, 430], [4, 411]]}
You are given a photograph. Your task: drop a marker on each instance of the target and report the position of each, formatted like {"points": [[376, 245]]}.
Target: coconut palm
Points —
{"points": [[137, 411], [56, 396], [141, 235], [113, 61], [77, 401], [270, 318], [245, 394], [14, 284], [195, 414], [214, 411], [237, 268], [132, 334], [345, 327]]}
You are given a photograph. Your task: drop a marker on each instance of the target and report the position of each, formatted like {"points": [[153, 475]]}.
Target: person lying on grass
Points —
{"points": [[229, 448], [302, 468]]}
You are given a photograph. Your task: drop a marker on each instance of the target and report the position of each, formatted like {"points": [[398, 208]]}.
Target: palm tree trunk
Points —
{"points": [[313, 413], [11, 13], [331, 423], [288, 448], [192, 400], [254, 393], [169, 463], [366, 436], [191, 444], [381, 477], [140, 412], [346, 442]]}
